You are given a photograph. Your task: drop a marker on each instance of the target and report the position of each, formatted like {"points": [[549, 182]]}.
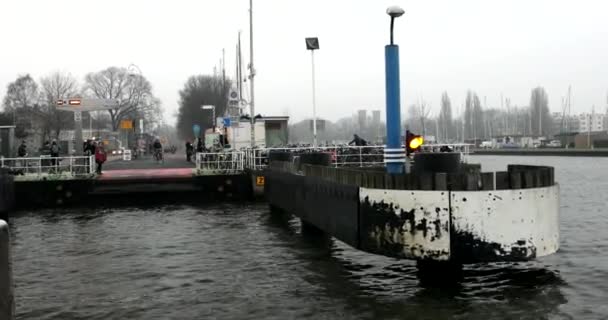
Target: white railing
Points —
{"points": [[341, 156], [220, 162], [347, 156], [46, 165]]}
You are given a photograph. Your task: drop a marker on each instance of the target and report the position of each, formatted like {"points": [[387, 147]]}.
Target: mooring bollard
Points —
{"points": [[7, 301]]}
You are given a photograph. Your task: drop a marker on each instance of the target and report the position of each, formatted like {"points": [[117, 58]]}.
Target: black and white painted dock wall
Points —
{"points": [[465, 216]]}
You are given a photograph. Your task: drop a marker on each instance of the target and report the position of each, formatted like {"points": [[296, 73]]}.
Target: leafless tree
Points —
{"points": [[539, 112], [22, 101], [133, 92], [57, 86], [445, 118]]}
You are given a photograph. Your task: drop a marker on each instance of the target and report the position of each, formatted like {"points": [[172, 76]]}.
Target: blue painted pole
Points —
{"points": [[394, 154]]}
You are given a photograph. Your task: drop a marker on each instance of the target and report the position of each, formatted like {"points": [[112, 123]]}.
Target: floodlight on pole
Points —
{"points": [[312, 44], [394, 154], [394, 12]]}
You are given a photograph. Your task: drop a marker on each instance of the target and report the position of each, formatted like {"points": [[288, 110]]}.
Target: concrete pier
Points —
{"points": [[465, 217], [7, 299]]}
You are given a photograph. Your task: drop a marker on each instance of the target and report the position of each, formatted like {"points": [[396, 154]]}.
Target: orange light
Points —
{"points": [[74, 102], [59, 102], [416, 142]]}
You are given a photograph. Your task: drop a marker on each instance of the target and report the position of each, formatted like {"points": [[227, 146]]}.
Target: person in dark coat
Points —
{"points": [[189, 151], [22, 151], [54, 152], [200, 146], [358, 141]]}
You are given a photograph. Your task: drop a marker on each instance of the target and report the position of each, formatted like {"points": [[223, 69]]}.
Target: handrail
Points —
{"points": [[346, 156], [43, 165], [7, 299]]}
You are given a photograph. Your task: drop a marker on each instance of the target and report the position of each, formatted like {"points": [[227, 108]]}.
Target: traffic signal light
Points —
{"points": [[413, 142]]}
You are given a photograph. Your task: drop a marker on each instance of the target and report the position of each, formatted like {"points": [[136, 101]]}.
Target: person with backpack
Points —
{"points": [[100, 156]]}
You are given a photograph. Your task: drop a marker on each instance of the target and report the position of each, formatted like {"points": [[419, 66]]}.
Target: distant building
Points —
{"points": [[362, 119], [591, 140], [591, 122], [564, 123]]}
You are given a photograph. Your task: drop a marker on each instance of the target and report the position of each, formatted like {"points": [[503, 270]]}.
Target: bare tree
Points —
{"points": [[423, 112], [57, 86], [133, 92], [539, 112], [22, 101], [197, 91], [445, 118]]}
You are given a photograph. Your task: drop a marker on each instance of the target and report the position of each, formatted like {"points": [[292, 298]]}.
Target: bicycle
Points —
{"points": [[158, 155]]}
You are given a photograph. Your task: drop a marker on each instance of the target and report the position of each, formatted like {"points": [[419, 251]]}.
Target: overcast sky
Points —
{"points": [[491, 47]]}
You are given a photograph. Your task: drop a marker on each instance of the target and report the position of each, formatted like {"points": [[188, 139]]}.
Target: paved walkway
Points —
{"points": [[171, 161], [174, 167]]}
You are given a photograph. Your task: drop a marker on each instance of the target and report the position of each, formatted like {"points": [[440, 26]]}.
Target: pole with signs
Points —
{"points": [[77, 105]]}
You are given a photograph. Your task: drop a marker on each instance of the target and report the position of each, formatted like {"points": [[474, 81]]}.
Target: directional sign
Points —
{"points": [[77, 116], [126, 124], [196, 129]]}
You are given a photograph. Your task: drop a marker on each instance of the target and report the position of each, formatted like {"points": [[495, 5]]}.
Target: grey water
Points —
{"points": [[236, 261]]}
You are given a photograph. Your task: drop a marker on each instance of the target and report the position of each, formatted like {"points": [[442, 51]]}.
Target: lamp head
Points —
{"points": [[395, 11]]}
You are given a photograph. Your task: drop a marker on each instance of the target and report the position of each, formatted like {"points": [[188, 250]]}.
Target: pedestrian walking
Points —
{"points": [[100, 156]]}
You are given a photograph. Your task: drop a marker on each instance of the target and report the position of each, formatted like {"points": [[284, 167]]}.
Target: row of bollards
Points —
{"points": [[7, 300]]}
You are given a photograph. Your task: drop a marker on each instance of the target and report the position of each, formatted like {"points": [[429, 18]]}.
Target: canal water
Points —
{"points": [[235, 261]]}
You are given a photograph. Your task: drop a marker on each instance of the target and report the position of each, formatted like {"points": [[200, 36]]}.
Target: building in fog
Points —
{"points": [[564, 123], [591, 122], [362, 119]]}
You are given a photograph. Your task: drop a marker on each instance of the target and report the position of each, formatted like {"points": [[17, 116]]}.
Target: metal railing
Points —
{"points": [[220, 162], [7, 299], [346, 156], [46, 165], [341, 156]]}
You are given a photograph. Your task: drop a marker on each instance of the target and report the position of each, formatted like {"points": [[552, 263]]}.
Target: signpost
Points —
{"points": [[77, 105]]}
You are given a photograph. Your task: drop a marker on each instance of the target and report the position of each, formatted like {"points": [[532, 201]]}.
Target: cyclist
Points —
{"points": [[158, 150]]}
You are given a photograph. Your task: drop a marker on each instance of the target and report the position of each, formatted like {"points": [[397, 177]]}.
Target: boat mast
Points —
{"points": [[251, 74]]}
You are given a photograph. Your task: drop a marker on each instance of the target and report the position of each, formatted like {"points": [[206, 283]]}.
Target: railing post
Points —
{"points": [[360, 157], [7, 300]]}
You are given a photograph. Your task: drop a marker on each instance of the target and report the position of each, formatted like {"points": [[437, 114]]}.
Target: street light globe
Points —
{"points": [[395, 11]]}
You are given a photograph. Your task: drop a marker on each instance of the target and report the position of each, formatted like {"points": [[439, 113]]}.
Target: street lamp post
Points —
{"points": [[212, 108], [312, 44], [394, 154], [135, 72]]}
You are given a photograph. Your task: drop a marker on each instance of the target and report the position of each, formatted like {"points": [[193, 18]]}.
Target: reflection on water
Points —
{"points": [[386, 288], [237, 261]]}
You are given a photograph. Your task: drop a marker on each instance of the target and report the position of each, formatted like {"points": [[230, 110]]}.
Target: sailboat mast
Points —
{"points": [[251, 74]]}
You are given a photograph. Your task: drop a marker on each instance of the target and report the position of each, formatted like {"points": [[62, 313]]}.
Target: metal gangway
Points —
{"points": [[38, 167]]}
